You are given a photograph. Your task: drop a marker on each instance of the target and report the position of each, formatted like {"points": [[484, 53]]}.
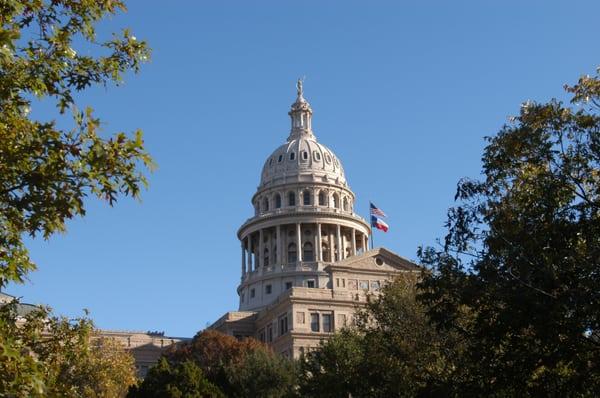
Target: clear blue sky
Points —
{"points": [[403, 92]]}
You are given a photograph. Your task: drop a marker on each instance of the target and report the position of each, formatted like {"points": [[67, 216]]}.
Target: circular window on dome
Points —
{"points": [[317, 156], [280, 158], [292, 155], [327, 158]]}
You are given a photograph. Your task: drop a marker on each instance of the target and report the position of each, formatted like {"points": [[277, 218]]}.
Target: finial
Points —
{"points": [[299, 87]]}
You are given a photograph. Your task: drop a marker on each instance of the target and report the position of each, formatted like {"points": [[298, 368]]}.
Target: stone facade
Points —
{"points": [[305, 260]]}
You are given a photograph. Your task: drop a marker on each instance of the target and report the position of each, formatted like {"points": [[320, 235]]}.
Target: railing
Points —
{"points": [[303, 209]]}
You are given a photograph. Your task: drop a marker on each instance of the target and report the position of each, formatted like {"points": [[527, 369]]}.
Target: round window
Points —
{"points": [[378, 261]]}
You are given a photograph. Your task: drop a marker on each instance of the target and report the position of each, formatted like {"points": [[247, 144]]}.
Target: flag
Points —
{"points": [[375, 211], [379, 223]]}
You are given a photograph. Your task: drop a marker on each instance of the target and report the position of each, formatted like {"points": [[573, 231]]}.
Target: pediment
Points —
{"points": [[377, 260]]}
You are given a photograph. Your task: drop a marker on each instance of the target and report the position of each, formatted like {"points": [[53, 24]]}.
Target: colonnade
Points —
{"points": [[285, 245]]}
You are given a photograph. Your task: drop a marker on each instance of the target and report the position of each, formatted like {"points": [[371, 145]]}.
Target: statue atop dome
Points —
{"points": [[299, 88]]}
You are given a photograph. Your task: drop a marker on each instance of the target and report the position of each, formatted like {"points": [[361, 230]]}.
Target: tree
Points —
{"points": [[245, 368], [44, 356], [181, 380], [519, 274], [46, 171], [392, 351]]}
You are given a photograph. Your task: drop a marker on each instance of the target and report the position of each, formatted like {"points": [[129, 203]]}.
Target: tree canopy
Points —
{"points": [[48, 168]]}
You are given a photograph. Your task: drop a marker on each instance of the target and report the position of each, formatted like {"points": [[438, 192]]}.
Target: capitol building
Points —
{"points": [[305, 261]]}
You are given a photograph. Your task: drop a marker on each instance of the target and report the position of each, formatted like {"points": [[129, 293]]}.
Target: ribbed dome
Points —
{"points": [[302, 159]]}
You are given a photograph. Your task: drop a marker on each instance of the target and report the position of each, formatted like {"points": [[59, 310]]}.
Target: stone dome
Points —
{"points": [[302, 159]]}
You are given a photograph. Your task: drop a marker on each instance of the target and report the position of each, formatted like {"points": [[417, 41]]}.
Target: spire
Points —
{"points": [[301, 114]]}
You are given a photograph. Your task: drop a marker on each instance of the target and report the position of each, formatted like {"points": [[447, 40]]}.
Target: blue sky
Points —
{"points": [[403, 92]]}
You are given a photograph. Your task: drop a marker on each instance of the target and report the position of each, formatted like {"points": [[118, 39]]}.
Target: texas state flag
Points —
{"points": [[379, 223]]}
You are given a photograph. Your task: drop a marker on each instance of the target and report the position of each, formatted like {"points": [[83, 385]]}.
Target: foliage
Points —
{"points": [[45, 356], [243, 368], [392, 351], [184, 379], [47, 171], [519, 274]]}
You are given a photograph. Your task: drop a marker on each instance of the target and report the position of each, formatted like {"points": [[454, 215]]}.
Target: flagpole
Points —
{"points": [[371, 226]]}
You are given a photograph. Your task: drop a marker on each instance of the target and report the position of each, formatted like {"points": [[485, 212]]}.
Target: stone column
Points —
{"points": [[353, 242], [298, 243], [243, 259], [318, 248], [279, 246], [250, 252], [331, 244], [339, 243], [260, 260]]}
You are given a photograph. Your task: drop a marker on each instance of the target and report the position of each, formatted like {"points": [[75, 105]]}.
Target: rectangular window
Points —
{"points": [[364, 285], [327, 323], [268, 289], [375, 285], [269, 333], [283, 324], [252, 293], [310, 283], [352, 284], [288, 285], [343, 282], [314, 322]]}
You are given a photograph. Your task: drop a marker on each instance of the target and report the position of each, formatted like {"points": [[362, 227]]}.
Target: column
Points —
{"points": [[364, 242], [339, 243], [331, 244], [243, 259], [318, 245], [299, 242], [279, 246], [250, 252], [260, 259], [353, 242]]}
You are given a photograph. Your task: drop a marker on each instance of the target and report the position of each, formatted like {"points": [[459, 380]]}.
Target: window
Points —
{"points": [[327, 323], [327, 158], [321, 198], [291, 199], [336, 201], [310, 283], [317, 156], [314, 322], [277, 201], [307, 252], [280, 158], [252, 293], [266, 204], [345, 204], [375, 285], [325, 252], [288, 285], [292, 253], [283, 324], [352, 284], [268, 289], [378, 261], [306, 198], [304, 155], [269, 332], [364, 285], [292, 155]]}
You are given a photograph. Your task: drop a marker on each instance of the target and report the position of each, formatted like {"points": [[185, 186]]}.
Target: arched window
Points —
{"points": [[306, 198], [321, 198], [292, 253], [266, 204], [277, 201], [336, 201], [291, 199], [345, 204], [266, 257], [304, 155], [307, 252], [325, 252]]}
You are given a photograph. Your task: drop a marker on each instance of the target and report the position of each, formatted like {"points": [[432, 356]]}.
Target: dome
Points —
{"points": [[302, 159]]}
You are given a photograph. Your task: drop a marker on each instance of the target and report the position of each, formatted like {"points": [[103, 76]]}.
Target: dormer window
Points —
{"points": [[317, 156], [292, 155], [305, 155], [280, 158]]}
